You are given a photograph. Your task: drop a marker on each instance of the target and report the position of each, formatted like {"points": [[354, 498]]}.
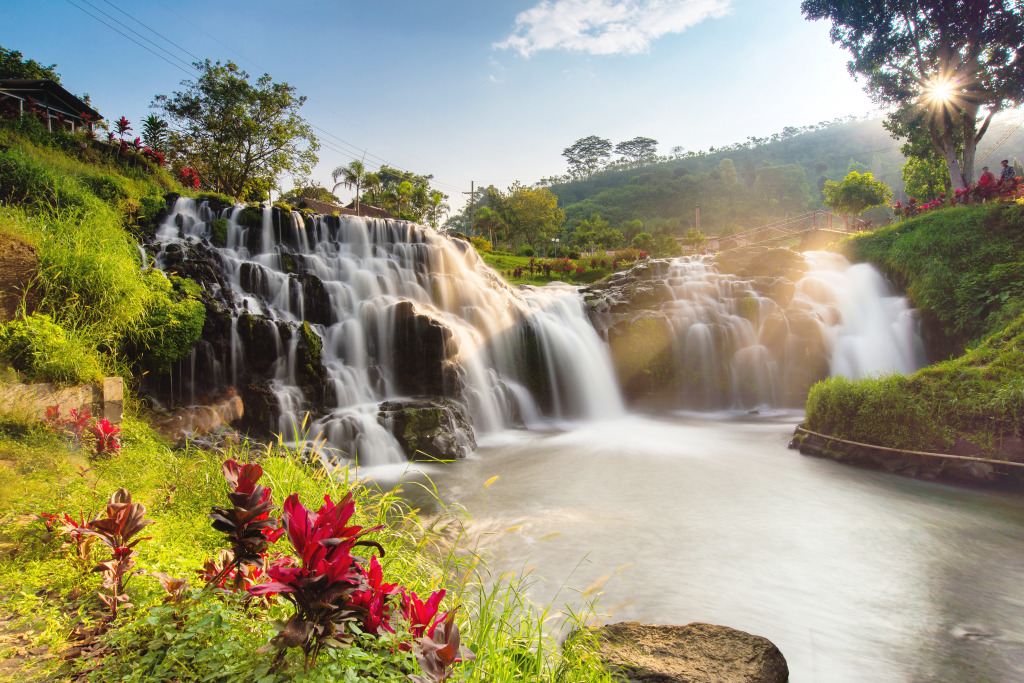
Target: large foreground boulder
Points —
{"points": [[429, 429], [695, 653]]}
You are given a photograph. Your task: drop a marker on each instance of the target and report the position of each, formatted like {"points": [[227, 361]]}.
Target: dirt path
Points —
{"points": [[18, 266]]}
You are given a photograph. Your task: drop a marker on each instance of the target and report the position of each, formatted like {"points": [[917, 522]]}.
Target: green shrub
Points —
{"points": [[481, 244], [219, 232], [172, 323], [251, 217], [46, 352], [526, 251]]}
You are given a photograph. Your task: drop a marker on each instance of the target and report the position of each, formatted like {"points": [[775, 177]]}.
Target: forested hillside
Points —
{"points": [[750, 183]]}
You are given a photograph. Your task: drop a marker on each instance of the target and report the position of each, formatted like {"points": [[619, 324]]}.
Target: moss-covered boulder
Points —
{"points": [[434, 429]]}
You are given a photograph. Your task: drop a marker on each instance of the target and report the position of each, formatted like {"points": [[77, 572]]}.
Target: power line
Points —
{"points": [[122, 25], [176, 66], [154, 31]]}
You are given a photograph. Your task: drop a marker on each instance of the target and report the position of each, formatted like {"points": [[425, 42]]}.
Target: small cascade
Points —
{"points": [[331, 316], [700, 339]]}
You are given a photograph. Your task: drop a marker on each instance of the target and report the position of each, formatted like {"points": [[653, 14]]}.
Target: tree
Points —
{"points": [[857, 192], [694, 239], [154, 132], [353, 175], [952, 63], [320, 194], [587, 155], [665, 246], [404, 193], [437, 207], [14, 65], [596, 231], [643, 241], [238, 135], [489, 221], [925, 178], [638, 151], [531, 214], [727, 169], [371, 182]]}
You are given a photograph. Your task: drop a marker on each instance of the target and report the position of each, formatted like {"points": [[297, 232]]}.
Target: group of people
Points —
{"points": [[989, 186]]}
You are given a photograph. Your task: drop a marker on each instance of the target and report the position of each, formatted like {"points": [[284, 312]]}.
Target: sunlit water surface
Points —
{"points": [[855, 575]]}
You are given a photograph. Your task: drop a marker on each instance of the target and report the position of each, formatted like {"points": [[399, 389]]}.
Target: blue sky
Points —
{"points": [[484, 91]]}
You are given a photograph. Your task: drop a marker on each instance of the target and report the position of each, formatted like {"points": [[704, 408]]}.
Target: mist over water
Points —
{"points": [[855, 575], [697, 516]]}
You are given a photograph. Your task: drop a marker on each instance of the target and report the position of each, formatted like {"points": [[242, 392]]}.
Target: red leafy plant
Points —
{"points": [[248, 524], [107, 437], [438, 652], [124, 519], [322, 587]]}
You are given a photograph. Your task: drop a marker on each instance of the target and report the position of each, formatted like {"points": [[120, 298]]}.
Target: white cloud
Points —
{"points": [[605, 27]]}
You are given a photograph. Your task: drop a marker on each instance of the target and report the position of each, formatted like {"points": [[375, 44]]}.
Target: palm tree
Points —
{"points": [[352, 175], [437, 207], [404, 192]]}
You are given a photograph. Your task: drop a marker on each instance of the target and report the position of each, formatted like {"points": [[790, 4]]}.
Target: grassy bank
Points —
{"points": [[964, 269], [51, 595], [94, 312]]}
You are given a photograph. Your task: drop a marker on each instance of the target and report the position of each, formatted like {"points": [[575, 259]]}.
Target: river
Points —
{"points": [[855, 575]]}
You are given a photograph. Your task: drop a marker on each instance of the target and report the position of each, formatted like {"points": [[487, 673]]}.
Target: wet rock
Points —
{"points": [[261, 408], [762, 261], [316, 304], [695, 653], [422, 346], [429, 429], [642, 353], [215, 418]]}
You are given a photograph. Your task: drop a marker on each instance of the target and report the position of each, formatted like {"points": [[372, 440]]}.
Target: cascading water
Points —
{"points": [[715, 340], [508, 354]]}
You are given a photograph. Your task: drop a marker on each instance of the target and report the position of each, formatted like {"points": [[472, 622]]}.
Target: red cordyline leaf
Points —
{"points": [[423, 616], [376, 600]]}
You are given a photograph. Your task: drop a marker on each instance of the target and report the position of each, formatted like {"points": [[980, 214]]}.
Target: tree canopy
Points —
{"points": [[531, 214], [952, 64], [857, 192], [14, 65], [586, 155], [638, 151], [239, 136]]}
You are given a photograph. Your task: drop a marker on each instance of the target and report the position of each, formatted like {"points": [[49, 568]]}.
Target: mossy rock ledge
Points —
{"points": [[429, 429], [922, 466], [695, 653]]}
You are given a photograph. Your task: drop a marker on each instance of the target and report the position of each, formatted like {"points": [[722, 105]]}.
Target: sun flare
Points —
{"points": [[939, 91]]}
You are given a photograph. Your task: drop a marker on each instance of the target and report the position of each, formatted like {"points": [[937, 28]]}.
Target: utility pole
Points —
{"points": [[472, 205], [698, 218]]}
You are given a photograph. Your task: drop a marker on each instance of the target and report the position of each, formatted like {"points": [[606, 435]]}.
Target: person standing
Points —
{"points": [[986, 183], [1007, 176]]}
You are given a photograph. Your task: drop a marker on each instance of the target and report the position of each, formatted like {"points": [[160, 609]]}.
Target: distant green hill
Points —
{"points": [[749, 184]]}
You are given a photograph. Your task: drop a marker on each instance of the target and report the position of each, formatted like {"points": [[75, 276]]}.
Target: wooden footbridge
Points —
{"points": [[815, 221]]}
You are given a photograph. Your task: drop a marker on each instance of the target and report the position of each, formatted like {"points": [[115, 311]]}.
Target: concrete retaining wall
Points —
{"points": [[103, 400]]}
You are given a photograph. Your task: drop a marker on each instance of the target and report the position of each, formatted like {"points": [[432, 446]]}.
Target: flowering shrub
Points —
{"points": [[107, 439], [189, 178]]}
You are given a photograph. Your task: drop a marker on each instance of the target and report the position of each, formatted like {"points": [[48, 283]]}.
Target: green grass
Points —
{"points": [[218, 637], [503, 262], [963, 267], [79, 209]]}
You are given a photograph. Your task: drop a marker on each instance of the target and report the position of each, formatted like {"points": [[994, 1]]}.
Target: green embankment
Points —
{"points": [[82, 208], [964, 269]]}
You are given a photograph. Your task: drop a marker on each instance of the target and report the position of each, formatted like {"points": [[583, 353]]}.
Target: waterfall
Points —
{"points": [[397, 310], [737, 341]]}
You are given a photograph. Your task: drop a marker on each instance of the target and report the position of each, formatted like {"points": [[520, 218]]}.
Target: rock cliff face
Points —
{"points": [[708, 335]]}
